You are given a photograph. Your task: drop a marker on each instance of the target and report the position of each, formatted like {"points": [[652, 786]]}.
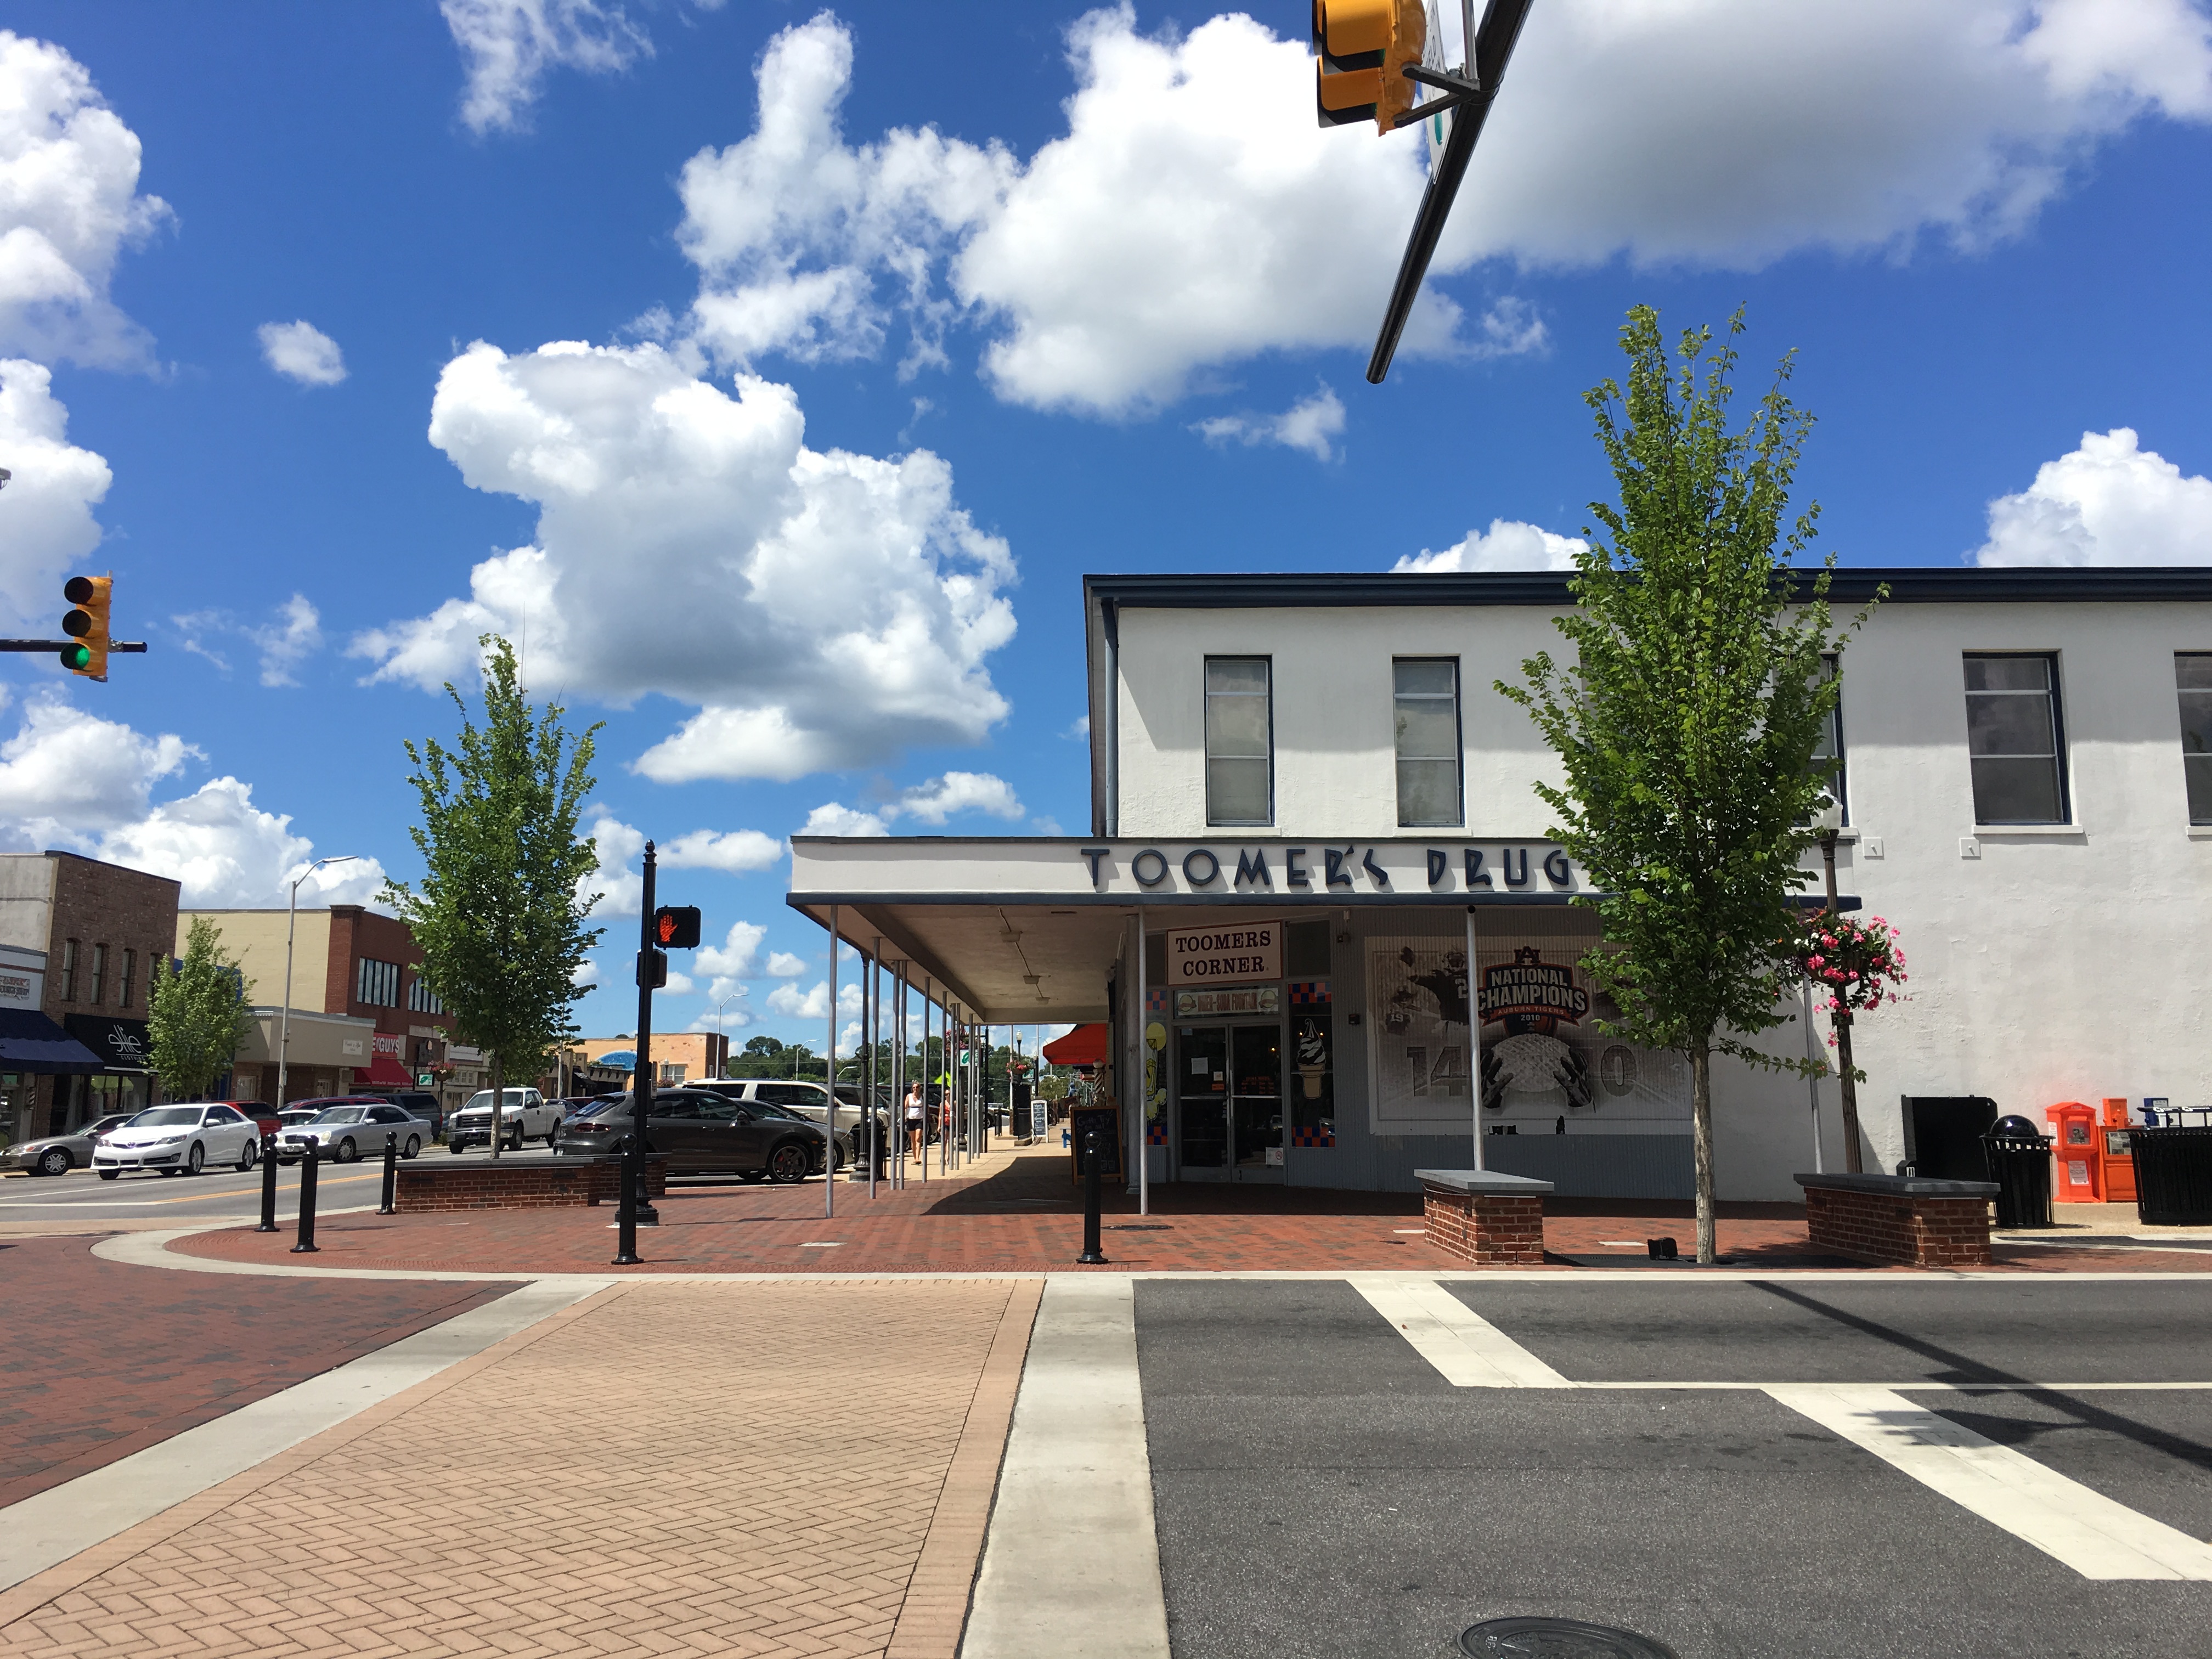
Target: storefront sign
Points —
{"points": [[1316, 870], [1236, 999], [1234, 950], [21, 988], [120, 1042]]}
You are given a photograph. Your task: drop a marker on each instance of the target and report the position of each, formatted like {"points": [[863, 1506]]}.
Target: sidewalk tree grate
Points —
{"points": [[1557, 1639]]}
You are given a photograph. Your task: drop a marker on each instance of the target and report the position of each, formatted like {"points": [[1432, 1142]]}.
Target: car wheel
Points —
{"points": [[346, 1152], [196, 1159], [788, 1163], [55, 1160], [109, 1175], [413, 1148], [454, 1147], [248, 1157]]}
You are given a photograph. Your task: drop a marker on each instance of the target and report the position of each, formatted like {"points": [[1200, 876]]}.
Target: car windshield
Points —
{"points": [[480, 1101], [767, 1108], [166, 1117], [340, 1114], [107, 1123]]}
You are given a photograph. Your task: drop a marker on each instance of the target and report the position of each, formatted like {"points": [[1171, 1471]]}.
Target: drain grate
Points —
{"points": [[1557, 1639]]}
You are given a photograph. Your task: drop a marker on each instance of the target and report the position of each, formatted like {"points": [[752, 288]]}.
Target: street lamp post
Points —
{"points": [[284, 1019], [724, 1003]]}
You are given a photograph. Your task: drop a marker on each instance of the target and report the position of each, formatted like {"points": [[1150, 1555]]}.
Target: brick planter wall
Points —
{"points": [[1488, 1229], [1893, 1223], [512, 1184]]}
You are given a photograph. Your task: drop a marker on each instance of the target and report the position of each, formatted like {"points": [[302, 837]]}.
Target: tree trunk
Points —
{"points": [[1849, 1088], [498, 1099], [1701, 1126]]}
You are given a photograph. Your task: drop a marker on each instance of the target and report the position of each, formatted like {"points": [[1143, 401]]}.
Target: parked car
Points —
{"points": [[294, 1114], [349, 1128], [753, 1101], [704, 1133], [420, 1103], [54, 1155], [807, 1099], [524, 1114], [179, 1140]]}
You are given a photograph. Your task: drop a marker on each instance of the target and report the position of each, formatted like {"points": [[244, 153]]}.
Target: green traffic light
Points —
{"points": [[77, 656]]}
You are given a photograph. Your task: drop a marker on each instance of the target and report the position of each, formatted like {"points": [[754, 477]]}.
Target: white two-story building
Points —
{"points": [[1308, 798]]}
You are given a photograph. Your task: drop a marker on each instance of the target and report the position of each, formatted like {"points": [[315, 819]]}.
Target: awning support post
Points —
{"points": [[829, 1085], [1144, 1077], [1473, 1036]]}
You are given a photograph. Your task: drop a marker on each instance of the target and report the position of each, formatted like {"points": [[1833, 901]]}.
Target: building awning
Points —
{"points": [[1083, 1046], [621, 1060], [384, 1071], [29, 1041], [123, 1044]]}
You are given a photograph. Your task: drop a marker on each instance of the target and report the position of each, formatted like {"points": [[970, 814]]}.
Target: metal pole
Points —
{"points": [[1144, 1076], [391, 1172], [267, 1185], [829, 1085], [1474, 1035], [641, 1212], [306, 1245], [1092, 1256], [284, 1019], [870, 1015], [1812, 1082], [898, 1077], [928, 1113]]}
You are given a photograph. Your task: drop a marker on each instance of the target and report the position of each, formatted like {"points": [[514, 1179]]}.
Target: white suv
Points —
{"points": [[524, 1114]]}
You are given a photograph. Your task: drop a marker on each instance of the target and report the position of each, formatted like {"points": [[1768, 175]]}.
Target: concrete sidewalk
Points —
{"points": [[802, 1467]]}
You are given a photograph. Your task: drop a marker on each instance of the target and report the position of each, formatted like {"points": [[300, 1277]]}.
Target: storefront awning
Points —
{"points": [[384, 1071], [29, 1041], [1083, 1046]]}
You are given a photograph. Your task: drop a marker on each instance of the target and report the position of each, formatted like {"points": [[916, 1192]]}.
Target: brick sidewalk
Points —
{"points": [[101, 1362], [793, 1467]]}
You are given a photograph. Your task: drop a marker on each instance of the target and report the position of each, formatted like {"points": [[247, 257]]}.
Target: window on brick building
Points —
{"points": [[68, 970], [99, 974], [421, 999], [376, 983], [130, 973]]}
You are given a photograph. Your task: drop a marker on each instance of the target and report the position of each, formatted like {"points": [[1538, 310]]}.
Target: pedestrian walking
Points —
{"points": [[914, 1121]]}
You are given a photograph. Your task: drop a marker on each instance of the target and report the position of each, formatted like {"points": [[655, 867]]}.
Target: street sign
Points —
{"points": [[426, 1079]]}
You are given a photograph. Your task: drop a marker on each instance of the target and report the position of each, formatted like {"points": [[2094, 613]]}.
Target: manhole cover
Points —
{"points": [[1557, 1639]]}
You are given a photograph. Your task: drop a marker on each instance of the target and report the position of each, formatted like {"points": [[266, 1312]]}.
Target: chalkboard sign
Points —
{"points": [[1106, 1122]]}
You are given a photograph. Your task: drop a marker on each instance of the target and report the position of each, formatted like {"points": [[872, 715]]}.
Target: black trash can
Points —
{"points": [[2019, 1161], [2173, 1175]]}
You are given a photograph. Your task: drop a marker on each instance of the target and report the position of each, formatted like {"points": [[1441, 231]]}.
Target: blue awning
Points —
{"points": [[29, 1041], [622, 1060]]}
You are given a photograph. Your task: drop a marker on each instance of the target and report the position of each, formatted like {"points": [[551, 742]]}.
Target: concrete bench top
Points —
{"points": [[1900, 1186], [1488, 1181]]}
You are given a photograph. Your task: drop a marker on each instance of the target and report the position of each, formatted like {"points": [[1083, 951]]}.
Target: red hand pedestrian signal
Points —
{"points": [[676, 928]]}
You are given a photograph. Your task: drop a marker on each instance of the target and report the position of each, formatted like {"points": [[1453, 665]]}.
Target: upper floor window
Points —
{"points": [[130, 973], [421, 999], [2192, 675], [68, 970], [376, 983], [1240, 741], [1425, 727], [99, 974], [2015, 739], [1828, 756]]}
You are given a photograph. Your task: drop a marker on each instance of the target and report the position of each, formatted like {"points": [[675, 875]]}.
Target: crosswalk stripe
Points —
{"points": [[1470, 1351], [2068, 1522]]}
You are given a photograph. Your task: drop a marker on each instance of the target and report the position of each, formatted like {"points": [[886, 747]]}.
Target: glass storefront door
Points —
{"points": [[1230, 1101]]}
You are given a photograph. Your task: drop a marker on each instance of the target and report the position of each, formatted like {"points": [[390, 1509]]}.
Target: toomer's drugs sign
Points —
{"points": [[1224, 954]]}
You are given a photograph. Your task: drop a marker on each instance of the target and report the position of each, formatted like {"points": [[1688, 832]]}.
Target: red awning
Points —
{"points": [[1083, 1046], [383, 1071]]}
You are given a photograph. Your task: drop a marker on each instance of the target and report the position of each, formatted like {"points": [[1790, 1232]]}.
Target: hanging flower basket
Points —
{"points": [[1851, 965]]}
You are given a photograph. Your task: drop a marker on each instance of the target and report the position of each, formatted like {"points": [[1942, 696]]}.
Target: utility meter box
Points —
{"points": [[2076, 1153], [2119, 1155]]}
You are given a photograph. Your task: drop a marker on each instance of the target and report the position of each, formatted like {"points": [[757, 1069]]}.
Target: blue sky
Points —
{"points": [[1047, 289]]}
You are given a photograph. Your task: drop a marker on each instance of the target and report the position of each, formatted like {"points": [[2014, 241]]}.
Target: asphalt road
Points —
{"points": [[1321, 1490], [212, 1195]]}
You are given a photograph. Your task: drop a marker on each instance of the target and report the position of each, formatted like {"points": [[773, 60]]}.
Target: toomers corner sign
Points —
{"points": [[1226, 952]]}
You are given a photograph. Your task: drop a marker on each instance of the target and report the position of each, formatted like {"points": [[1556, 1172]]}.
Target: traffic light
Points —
{"points": [[87, 626], [676, 928], [1363, 47]]}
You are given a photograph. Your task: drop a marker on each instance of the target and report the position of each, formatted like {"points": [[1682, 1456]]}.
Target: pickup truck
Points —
{"points": [[526, 1116]]}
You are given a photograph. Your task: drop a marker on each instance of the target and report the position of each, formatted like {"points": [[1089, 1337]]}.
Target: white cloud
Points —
{"points": [[616, 886], [2106, 502], [787, 1000], [1079, 728], [46, 525], [737, 958], [1193, 215], [509, 46], [955, 791], [1508, 544], [1308, 424], [783, 964], [678, 984], [831, 819], [587, 973], [72, 779], [300, 351], [848, 1040], [1045, 825], [68, 205], [726, 1019], [279, 647], [821, 609], [737, 851]]}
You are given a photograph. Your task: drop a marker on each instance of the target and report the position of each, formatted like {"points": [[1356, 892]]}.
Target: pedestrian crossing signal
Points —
{"points": [[86, 625], [676, 928], [1363, 47]]}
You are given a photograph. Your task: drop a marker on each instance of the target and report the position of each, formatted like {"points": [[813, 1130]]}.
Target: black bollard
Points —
{"points": [[307, 1160], [626, 1214], [1092, 1256], [391, 1172], [267, 1185]]}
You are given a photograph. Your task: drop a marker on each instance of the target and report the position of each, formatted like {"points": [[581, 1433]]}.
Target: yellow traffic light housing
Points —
{"points": [[1363, 47], [87, 626]]}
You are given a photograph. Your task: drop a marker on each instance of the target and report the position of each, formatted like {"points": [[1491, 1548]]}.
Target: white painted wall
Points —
{"points": [[2061, 964]]}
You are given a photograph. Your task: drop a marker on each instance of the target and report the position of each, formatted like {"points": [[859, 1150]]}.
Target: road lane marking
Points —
{"points": [[215, 1197], [1470, 1351], [49, 1526], [1072, 1561], [2072, 1523]]}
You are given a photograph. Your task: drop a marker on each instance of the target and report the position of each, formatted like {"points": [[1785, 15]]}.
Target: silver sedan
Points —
{"points": [[54, 1155]]}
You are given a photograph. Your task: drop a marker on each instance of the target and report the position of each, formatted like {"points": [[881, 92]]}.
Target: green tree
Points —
{"points": [[196, 1015], [1687, 725], [498, 918]]}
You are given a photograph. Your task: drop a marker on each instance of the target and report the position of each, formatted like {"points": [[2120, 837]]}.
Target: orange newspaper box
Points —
{"points": [[2078, 1175], [2120, 1160]]}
